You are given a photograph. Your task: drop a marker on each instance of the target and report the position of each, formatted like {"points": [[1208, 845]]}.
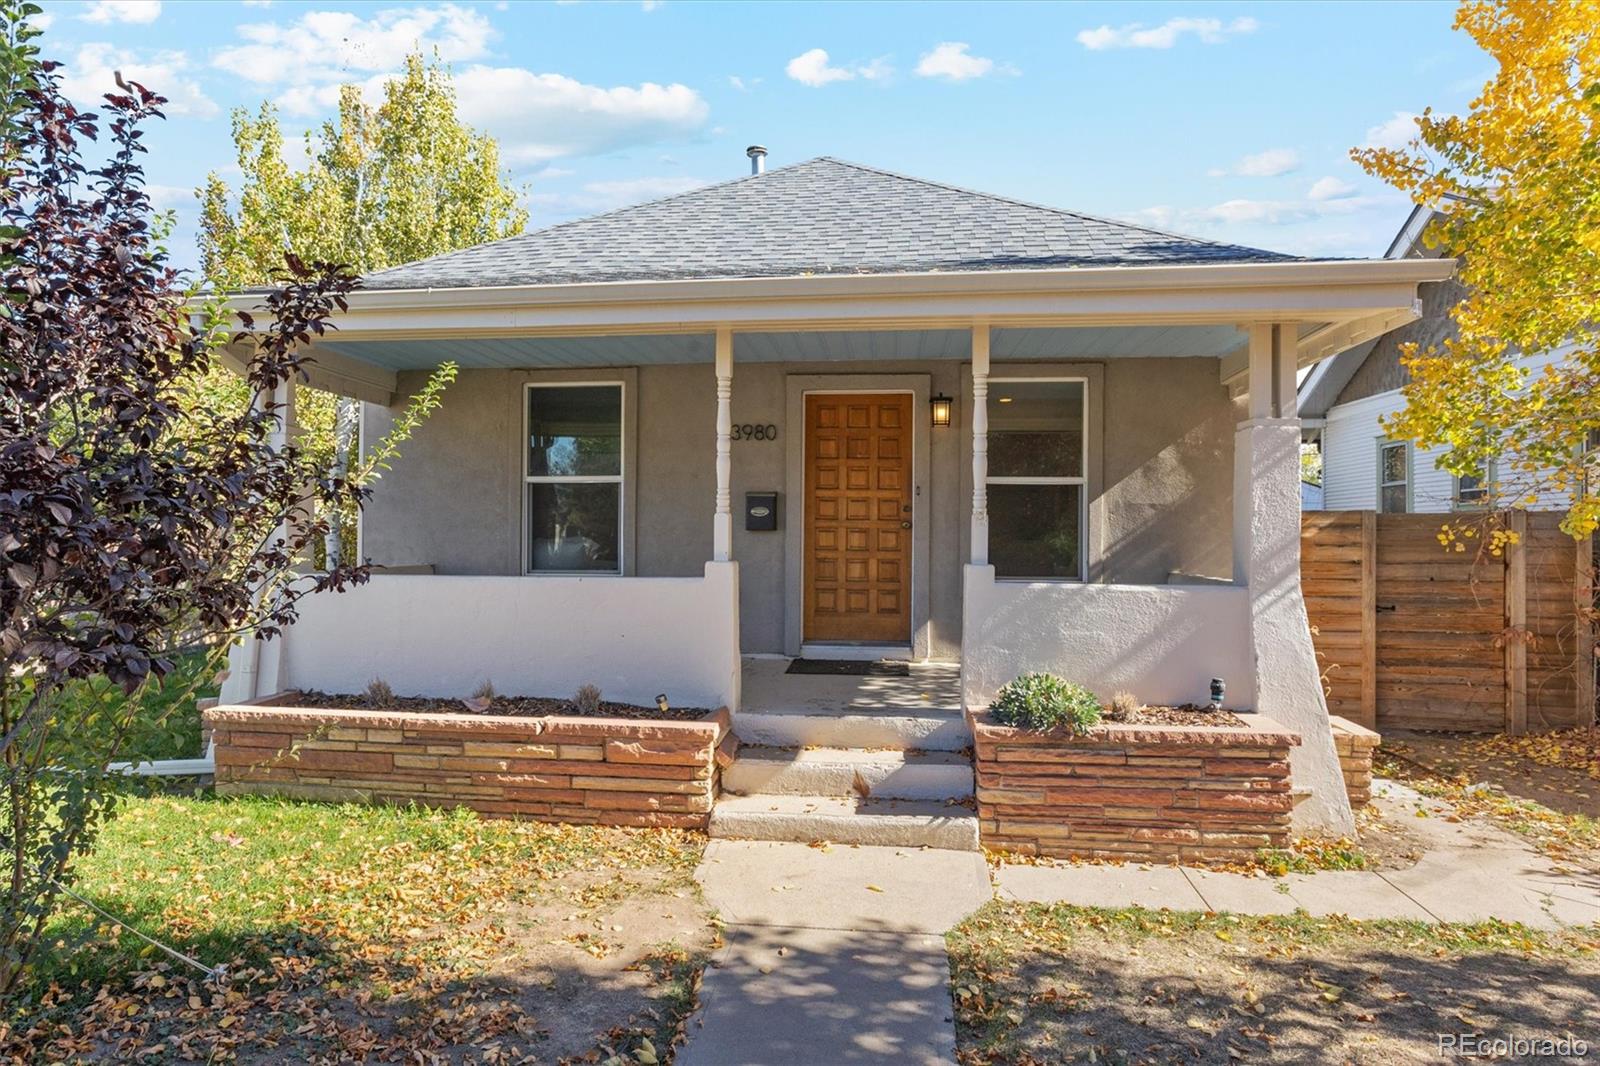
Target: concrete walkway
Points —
{"points": [[1471, 871], [836, 955], [832, 956]]}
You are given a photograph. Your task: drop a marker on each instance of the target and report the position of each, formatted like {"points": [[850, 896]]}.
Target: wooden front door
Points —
{"points": [[858, 518]]}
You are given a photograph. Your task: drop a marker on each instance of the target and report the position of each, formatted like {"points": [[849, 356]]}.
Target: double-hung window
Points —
{"points": [[1472, 490], [573, 478], [1394, 476], [1036, 484]]}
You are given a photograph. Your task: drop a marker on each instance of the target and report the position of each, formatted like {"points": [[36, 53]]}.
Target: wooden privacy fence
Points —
{"points": [[1410, 635]]}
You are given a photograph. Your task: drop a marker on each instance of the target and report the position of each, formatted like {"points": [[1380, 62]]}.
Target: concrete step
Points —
{"points": [[933, 775], [897, 732], [804, 819]]}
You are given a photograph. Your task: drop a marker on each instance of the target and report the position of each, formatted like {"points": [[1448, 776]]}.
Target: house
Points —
{"points": [[832, 411], [1344, 399]]}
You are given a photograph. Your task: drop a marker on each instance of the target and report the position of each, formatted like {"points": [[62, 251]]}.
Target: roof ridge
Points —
{"points": [[1043, 207]]}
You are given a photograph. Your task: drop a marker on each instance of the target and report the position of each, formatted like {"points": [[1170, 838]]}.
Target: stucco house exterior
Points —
{"points": [[833, 411], [1344, 399]]}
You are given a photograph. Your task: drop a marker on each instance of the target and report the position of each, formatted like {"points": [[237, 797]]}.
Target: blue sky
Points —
{"points": [[1225, 120]]}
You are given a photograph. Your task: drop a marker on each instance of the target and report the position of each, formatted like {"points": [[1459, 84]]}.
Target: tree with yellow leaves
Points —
{"points": [[380, 186], [1515, 182]]}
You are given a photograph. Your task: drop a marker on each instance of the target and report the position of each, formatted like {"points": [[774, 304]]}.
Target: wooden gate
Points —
{"points": [[1410, 635]]}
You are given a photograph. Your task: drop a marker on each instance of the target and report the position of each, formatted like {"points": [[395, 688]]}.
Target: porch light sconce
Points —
{"points": [[943, 407]]}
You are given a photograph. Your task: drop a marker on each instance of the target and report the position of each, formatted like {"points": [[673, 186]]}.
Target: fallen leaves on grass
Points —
{"points": [[1035, 984], [347, 933], [1568, 838], [1572, 749]]}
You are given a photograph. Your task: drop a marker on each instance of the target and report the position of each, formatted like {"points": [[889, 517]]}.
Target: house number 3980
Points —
{"points": [[755, 431]]}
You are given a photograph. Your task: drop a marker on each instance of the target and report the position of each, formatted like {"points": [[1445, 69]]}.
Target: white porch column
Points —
{"points": [[722, 522], [980, 445], [1266, 552], [255, 667]]}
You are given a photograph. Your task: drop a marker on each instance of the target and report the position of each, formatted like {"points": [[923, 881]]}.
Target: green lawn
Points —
{"points": [[1040, 984], [308, 904]]}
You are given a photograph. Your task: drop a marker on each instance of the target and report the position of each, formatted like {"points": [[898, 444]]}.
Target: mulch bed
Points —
{"points": [[1185, 714], [507, 706]]}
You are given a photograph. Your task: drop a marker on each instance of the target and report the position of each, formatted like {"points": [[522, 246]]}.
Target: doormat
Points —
{"points": [[849, 667]]}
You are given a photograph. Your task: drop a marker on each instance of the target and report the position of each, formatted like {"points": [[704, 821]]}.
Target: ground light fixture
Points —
{"points": [[943, 407]]}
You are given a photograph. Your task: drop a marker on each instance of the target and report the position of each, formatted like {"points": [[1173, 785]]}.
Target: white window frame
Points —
{"points": [[620, 479], [1483, 487], [1081, 480], [1385, 443]]}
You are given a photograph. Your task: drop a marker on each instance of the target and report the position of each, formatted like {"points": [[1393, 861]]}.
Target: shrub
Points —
{"points": [[485, 691], [1124, 707], [587, 700], [1044, 701], [379, 694]]}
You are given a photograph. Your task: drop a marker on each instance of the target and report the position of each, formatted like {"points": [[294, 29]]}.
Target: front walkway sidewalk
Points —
{"points": [[1472, 871], [833, 955]]}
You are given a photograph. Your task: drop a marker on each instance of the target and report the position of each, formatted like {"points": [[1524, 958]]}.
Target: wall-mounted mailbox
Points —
{"points": [[760, 510]]}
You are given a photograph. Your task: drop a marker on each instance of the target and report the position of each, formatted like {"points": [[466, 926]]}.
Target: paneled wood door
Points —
{"points": [[858, 517]]}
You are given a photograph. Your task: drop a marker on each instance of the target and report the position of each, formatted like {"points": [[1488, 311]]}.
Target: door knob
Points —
{"points": [[905, 525]]}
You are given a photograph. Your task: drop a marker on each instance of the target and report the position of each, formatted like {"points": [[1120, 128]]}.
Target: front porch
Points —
{"points": [[1087, 472]]}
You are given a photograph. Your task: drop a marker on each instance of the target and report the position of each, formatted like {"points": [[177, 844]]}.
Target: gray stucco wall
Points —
{"points": [[453, 499]]}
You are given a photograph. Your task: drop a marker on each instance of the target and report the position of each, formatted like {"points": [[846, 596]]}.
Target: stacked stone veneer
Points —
{"points": [[604, 771], [1150, 792], [1355, 745]]}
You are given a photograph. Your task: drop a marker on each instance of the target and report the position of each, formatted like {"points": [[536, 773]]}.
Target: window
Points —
{"points": [[1472, 490], [1394, 477], [574, 478], [1036, 477]]}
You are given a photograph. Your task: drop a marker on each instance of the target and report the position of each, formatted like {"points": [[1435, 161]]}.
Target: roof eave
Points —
{"points": [[1240, 292]]}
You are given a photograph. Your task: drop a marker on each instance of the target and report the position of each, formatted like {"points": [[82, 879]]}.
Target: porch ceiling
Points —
{"points": [[1096, 342]]}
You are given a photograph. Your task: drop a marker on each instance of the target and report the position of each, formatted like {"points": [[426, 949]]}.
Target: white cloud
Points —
{"points": [[324, 46], [1244, 212], [952, 61], [1268, 164], [539, 117], [163, 197], [1394, 133], [42, 21], [256, 3], [1330, 189], [136, 11], [744, 85], [651, 5], [596, 196], [91, 73], [1166, 35], [814, 69], [811, 68]]}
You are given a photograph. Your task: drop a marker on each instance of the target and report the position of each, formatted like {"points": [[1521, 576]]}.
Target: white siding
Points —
{"points": [[1350, 458]]}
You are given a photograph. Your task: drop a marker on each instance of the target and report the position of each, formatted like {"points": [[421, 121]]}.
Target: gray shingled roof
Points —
{"points": [[823, 216]]}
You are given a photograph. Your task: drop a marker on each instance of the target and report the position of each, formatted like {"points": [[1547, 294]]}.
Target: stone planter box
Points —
{"points": [[1137, 792], [1355, 745], [604, 771]]}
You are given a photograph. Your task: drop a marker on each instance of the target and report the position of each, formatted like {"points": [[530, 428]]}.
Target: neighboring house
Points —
{"points": [[1344, 399], [834, 411]]}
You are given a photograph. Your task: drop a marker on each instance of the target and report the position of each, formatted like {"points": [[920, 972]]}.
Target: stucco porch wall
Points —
{"points": [[1142, 792], [454, 498], [443, 635], [1163, 643], [598, 771]]}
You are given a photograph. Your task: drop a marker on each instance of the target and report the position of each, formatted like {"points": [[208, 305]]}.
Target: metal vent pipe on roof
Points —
{"points": [[758, 158]]}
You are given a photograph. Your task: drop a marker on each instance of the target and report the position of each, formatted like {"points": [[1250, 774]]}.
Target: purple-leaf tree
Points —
{"points": [[128, 523]]}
